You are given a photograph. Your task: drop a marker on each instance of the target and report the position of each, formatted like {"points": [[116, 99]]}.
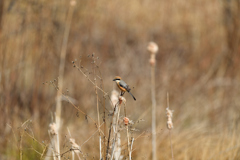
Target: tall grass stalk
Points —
{"points": [[153, 48], [61, 72]]}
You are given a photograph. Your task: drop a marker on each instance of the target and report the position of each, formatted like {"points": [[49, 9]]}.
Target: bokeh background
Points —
{"points": [[197, 64]]}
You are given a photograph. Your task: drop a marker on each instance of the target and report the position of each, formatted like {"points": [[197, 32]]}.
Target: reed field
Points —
{"points": [[58, 59]]}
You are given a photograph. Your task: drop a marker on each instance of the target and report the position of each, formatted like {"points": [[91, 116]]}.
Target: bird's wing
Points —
{"points": [[124, 85]]}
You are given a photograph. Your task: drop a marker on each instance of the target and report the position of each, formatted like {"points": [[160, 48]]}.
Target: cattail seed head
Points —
{"points": [[122, 99], [126, 120], [152, 61], [73, 2], [114, 97], [169, 114], [169, 125], [53, 128], [152, 47]]}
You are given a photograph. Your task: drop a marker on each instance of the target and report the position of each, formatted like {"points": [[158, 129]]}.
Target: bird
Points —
{"points": [[123, 86]]}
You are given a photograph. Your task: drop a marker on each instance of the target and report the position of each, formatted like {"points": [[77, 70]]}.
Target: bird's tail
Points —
{"points": [[132, 95]]}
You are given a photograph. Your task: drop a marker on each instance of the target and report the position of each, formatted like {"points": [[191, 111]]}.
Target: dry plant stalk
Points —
{"points": [[130, 152], [126, 121], [121, 99], [53, 134], [61, 71], [96, 92], [153, 48], [75, 148], [169, 114], [115, 100]]}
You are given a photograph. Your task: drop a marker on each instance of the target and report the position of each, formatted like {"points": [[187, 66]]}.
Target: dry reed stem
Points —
{"points": [[20, 146], [130, 153], [115, 132], [126, 121], [52, 147], [109, 137], [128, 143], [153, 48], [104, 121], [154, 156], [117, 153], [169, 114], [115, 101], [111, 126], [121, 99], [104, 118], [100, 147], [75, 148], [61, 70]]}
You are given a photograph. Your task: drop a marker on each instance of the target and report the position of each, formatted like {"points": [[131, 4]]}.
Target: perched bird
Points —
{"points": [[123, 86]]}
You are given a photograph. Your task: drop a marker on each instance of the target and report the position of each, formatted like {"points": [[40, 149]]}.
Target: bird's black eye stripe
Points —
{"points": [[118, 79]]}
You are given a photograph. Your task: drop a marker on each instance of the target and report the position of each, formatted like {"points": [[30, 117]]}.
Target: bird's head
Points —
{"points": [[117, 78]]}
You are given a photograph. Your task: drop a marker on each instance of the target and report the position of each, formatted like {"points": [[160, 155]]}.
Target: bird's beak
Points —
{"points": [[114, 79]]}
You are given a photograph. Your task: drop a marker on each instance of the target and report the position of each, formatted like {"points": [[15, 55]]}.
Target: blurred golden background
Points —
{"points": [[197, 64]]}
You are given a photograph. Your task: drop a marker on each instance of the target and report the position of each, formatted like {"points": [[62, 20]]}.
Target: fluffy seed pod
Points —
{"points": [[126, 120], [169, 114], [152, 47], [122, 99], [53, 129], [152, 61], [114, 97], [73, 2]]}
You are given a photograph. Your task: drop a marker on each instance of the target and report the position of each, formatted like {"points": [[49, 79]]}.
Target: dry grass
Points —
{"points": [[197, 63]]}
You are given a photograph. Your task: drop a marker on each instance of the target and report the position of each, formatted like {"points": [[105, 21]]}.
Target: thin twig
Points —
{"points": [[89, 138]]}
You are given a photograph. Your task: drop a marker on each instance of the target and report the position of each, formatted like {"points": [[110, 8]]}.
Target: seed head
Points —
{"points": [[126, 121], [114, 97], [169, 114], [53, 128], [152, 47], [73, 2], [122, 99], [152, 61]]}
